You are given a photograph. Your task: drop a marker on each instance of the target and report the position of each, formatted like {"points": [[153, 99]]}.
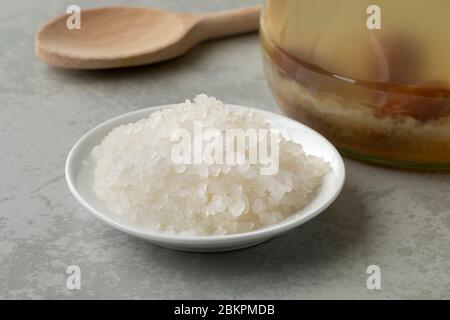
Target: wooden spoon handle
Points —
{"points": [[227, 23]]}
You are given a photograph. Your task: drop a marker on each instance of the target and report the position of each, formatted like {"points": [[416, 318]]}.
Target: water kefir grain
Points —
{"points": [[137, 178]]}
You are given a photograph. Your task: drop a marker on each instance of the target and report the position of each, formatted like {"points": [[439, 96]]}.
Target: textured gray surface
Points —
{"points": [[397, 220]]}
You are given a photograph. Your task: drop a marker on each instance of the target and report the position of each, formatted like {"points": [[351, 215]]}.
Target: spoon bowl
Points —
{"points": [[113, 37], [80, 177]]}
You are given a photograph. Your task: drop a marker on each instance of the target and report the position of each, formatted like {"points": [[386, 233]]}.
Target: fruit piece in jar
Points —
{"points": [[404, 61], [422, 104]]}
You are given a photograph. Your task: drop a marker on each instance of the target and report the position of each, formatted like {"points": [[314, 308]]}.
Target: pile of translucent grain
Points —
{"points": [[137, 179]]}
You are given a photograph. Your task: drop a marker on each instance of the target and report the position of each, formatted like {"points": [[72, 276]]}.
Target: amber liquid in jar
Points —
{"points": [[380, 95]]}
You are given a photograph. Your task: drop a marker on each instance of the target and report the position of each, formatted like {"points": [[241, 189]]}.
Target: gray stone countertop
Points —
{"points": [[397, 220]]}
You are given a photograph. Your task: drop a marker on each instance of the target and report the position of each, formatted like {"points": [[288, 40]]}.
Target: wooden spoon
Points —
{"points": [[115, 37]]}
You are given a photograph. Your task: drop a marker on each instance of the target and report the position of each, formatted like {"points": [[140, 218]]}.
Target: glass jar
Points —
{"points": [[371, 76]]}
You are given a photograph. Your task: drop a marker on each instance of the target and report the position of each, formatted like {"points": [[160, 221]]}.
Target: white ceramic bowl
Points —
{"points": [[79, 178]]}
